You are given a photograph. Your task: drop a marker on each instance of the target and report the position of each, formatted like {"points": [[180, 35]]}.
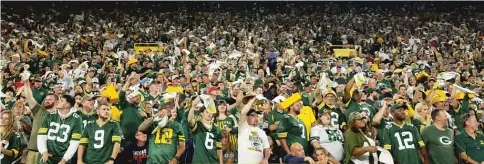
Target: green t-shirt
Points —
{"points": [[474, 148], [130, 118], [403, 142], [59, 134], [440, 145], [293, 130], [352, 140], [99, 141], [14, 144], [163, 144], [206, 143]]}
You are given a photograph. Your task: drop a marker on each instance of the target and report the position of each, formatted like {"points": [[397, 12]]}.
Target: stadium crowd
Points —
{"points": [[242, 82]]}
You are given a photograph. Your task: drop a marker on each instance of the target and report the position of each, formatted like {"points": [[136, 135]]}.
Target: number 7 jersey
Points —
{"points": [[99, 141], [293, 130], [403, 142], [59, 133]]}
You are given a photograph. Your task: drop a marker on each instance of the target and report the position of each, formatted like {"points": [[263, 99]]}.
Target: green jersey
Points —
{"points": [[59, 133], [273, 117], [370, 110], [293, 130], [206, 142], [403, 142], [352, 106], [99, 141], [86, 117], [337, 117], [186, 128], [381, 128], [163, 143], [440, 145], [14, 144]]}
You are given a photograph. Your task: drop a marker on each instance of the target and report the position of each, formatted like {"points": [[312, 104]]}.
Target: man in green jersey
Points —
{"points": [[101, 139], [402, 139], [329, 103], [207, 136], [58, 137], [470, 142], [85, 111], [166, 142], [439, 139], [291, 129], [352, 98]]}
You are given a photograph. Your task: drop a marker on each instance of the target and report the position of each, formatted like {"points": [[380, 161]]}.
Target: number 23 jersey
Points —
{"points": [[100, 141], [60, 132]]}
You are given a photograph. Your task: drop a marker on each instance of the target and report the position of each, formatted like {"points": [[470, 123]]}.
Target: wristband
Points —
{"points": [[112, 159]]}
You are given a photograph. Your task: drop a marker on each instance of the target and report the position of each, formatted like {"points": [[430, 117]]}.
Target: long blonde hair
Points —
{"points": [[418, 108], [10, 128]]}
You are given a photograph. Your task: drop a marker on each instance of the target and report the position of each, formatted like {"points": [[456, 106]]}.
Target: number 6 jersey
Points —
{"points": [[99, 141], [206, 143], [60, 132]]}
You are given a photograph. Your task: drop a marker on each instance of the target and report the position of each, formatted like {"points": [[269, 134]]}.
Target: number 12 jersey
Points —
{"points": [[403, 142]]}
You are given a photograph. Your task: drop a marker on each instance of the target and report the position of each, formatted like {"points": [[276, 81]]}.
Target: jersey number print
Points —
{"points": [[164, 136], [209, 141], [54, 130], [407, 140]]}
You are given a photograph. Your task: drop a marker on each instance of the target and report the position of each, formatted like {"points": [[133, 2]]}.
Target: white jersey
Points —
{"points": [[251, 143], [329, 138]]}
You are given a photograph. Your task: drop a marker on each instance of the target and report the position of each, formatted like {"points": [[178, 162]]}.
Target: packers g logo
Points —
{"points": [[445, 140]]}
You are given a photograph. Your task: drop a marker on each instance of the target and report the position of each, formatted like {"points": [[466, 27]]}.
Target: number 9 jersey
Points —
{"points": [[100, 140]]}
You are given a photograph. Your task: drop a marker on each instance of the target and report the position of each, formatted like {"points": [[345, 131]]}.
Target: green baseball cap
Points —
{"points": [[397, 106], [38, 79]]}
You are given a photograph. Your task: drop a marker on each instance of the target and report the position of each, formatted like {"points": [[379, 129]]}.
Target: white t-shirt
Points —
{"points": [[330, 139], [251, 143]]}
